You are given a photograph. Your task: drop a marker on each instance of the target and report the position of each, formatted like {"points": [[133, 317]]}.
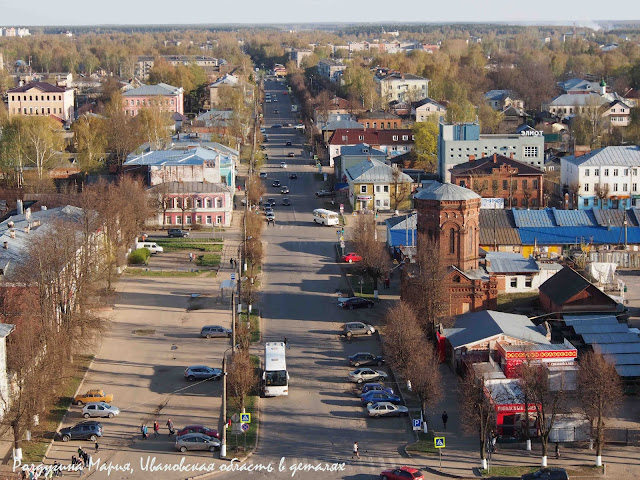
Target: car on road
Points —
{"points": [[263, 147], [376, 397], [283, 164], [366, 374], [275, 99], [288, 144], [355, 329], [325, 193], [202, 372], [272, 201], [365, 358], [99, 409], [197, 441], [209, 432], [287, 125], [276, 110], [276, 125], [293, 176], [351, 257], [286, 202], [276, 183], [267, 100], [351, 303], [299, 126], [262, 129], [377, 387], [284, 190], [177, 233], [90, 430], [386, 409], [551, 473], [210, 331], [93, 396], [271, 217], [402, 473], [263, 174], [291, 155]]}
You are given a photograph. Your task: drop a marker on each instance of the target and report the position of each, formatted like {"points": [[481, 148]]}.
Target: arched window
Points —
{"points": [[452, 241]]}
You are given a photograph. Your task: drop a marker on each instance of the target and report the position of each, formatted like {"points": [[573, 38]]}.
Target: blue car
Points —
{"points": [[376, 386], [375, 396]]}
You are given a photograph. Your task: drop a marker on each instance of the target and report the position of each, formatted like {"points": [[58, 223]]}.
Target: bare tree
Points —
{"points": [[423, 370], [255, 190], [600, 392], [400, 190], [400, 339], [602, 192], [242, 378], [375, 259]]}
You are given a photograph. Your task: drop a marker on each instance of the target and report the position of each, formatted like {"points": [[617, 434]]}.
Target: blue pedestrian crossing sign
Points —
{"points": [[245, 418], [438, 442], [233, 276], [417, 424]]}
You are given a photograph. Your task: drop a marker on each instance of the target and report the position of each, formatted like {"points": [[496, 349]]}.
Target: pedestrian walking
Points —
{"points": [[387, 282], [86, 458], [79, 452], [191, 256], [97, 447], [142, 431], [145, 431], [74, 460], [231, 262], [170, 427], [494, 439], [88, 464], [445, 417], [355, 450], [156, 428], [557, 450]]}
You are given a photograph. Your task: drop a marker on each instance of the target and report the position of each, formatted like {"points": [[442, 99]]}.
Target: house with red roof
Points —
{"points": [[393, 142]]}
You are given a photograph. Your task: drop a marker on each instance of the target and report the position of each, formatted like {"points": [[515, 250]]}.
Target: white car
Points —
{"points": [[283, 164], [388, 409], [366, 374], [99, 409]]}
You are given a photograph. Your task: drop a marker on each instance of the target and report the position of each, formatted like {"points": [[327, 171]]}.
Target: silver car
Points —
{"points": [[209, 331], [99, 409], [202, 372], [388, 409], [197, 441], [365, 374]]}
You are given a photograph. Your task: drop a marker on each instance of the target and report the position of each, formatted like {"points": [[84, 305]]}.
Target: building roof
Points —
{"points": [[579, 100], [497, 95], [497, 227], [342, 124], [361, 149], [375, 171], [479, 326], [187, 156], [379, 114], [615, 156], [192, 187], [372, 137], [6, 329], [507, 262], [402, 231], [215, 117], [402, 222], [226, 79], [446, 192], [486, 165], [42, 86], [564, 285], [151, 90], [426, 101], [578, 84], [397, 76]]}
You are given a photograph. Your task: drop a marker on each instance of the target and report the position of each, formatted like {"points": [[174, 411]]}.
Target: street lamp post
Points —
{"points": [[223, 444]]}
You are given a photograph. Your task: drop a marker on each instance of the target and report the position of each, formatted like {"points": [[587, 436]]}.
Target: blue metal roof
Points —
{"points": [[507, 262], [399, 237], [570, 235], [534, 218], [575, 218], [601, 338], [611, 348]]}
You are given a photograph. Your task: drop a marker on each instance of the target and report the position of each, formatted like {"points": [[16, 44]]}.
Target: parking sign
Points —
{"points": [[417, 424]]}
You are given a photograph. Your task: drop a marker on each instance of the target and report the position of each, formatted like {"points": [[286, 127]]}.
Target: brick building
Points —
{"points": [[380, 119], [497, 176], [449, 215]]}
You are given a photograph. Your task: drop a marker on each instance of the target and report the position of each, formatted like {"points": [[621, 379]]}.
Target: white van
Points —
{"points": [[152, 246], [325, 217]]}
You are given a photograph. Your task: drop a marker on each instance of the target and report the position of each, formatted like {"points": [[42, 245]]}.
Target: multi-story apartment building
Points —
{"points": [[379, 119], [298, 56], [41, 98], [401, 87], [457, 142], [331, 69], [167, 97], [603, 178], [145, 63]]}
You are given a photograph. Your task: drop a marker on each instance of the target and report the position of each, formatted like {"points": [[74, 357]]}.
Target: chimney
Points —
{"points": [[12, 233], [511, 156], [484, 154], [43, 208], [495, 158], [27, 213], [27, 229], [19, 208], [472, 158], [6, 245]]}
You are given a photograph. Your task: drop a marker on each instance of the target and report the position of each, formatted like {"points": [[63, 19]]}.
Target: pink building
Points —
{"points": [[170, 99]]}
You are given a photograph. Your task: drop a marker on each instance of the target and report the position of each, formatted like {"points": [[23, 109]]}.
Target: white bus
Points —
{"points": [[325, 217], [275, 378]]}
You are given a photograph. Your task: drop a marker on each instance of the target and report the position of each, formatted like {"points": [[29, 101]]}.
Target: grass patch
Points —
{"points": [[510, 302], [319, 177], [424, 444], [144, 332], [141, 272], [202, 247], [246, 441], [511, 471], [33, 451], [174, 240], [208, 260], [366, 289], [255, 324]]}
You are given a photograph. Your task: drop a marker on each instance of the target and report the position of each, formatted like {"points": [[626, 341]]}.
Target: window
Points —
{"points": [[188, 220], [218, 202], [615, 172], [634, 171], [535, 183], [209, 219], [178, 220], [385, 189], [525, 184], [606, 172], [494, 185], [596, 172], [513, 282], [530, 152], [378, 189], [528, 282], [624, 187], [634, 187], [405, 137], [586, 187], [586, 172], [167, 220], [218, 219], [485, 184], [626, 172], [395, 138], [534, 202], [199, 219], [361, 137], [363, 189], [452, 241], [586, 202], [505, 184], [209, 203], [198, 203], [377, 203], [615, 187]]}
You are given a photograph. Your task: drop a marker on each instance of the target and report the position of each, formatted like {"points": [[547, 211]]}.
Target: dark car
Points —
{"points": [[293, 176], [90, 430], [284, 190], [291, 155], [552, 473], [276, 111], [276, 183], [402, 473], [177, 233], [276, 125], [365, 358], [368, 387], [355, 302], [288, 144], [286, 202], [198, 429], [325, 193], [378, 396]]}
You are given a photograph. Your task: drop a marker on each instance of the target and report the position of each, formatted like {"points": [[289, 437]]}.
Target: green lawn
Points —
{"points": [[34, 450], [508, 302], [208, 260], [249, 439], [141, 272], [367, 286], [202, 247], [167, 240], [423, 445], [517, 471], [255, 324]]}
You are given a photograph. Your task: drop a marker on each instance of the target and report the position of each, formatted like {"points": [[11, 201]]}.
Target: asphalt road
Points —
{"points": [[321, 417]]}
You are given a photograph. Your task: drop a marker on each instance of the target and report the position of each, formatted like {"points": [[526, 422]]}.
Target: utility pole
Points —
{"points": [[223, 443], [233, 321]]}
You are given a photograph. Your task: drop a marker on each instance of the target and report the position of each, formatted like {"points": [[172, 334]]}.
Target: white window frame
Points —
{"points": [[363, 189]]}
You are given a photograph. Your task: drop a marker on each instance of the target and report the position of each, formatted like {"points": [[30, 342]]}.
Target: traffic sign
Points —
{"points": [[233, 276], [245, 417], [342, 238], [417, 424], [338, 232], [438, 442], [235, 417], [245, 427]]}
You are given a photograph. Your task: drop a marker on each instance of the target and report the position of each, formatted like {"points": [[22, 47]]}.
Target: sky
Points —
{"points": [[136, 12]]}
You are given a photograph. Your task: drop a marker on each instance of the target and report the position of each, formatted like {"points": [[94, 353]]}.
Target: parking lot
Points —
{"points": [[150, 340]]}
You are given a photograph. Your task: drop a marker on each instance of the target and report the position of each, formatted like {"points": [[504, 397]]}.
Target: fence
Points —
{"points": [[624, 259], [583, 433]]}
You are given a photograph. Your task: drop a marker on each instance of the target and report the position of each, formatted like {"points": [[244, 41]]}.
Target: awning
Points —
{"points": [[364, 197]]}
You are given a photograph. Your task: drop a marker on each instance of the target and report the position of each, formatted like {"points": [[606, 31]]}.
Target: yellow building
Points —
{"points": [[374, 185], [41, 98]]}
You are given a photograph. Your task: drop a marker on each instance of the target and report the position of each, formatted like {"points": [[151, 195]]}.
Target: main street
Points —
{"points": [[321, 417]]}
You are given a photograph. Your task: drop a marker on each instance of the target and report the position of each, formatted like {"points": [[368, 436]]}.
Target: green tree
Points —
{"points": [[154, 125], [91, 141], [42, 142], [489, 118], [426, 143]]}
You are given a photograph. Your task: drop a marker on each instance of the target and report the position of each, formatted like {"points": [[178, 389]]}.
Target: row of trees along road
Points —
{"points": [[53, 293]]}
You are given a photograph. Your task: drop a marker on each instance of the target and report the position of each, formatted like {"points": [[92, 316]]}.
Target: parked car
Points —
{"points": [[209, 331], [202, 372], [288, 144], [90, 430], [402, 473], [93, 396], [351, 257], [287, 124], [276, 183], [272, 201], [551, 473], [286, 202], [276, 110], [386, 409], [354, 329], [355, 302], [271, 217], [378, 387], [378, 396], [284, 189], [293, 176], [263, 174], [153, 247], [209, 432], [365, 358], [99, 409], [177, 233], [197, 441], [325, 193], [291, 155], [276, 125], [366, 374]]}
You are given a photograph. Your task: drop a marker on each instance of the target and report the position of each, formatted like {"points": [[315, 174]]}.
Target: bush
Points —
{"points": [[139, 256]]}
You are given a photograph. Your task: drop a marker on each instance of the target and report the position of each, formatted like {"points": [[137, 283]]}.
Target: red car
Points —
{"points": [[351, 257], [402, 473], [198, 429]]}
